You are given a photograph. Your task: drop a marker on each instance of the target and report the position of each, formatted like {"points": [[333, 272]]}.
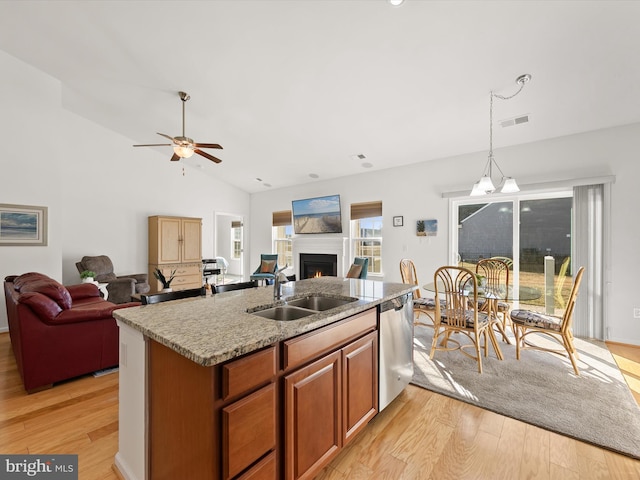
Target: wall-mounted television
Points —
{"points": [[317, 215]]}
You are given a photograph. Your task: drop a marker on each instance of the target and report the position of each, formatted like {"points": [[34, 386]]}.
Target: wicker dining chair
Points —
{"points": [[421, 305], [527, 322], [496, 273], [458, 288]]}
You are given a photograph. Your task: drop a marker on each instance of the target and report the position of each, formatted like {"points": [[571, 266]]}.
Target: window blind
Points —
{"points": [[366, 210], [282, 218]]}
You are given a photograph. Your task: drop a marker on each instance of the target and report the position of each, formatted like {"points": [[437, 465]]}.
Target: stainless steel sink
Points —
{"points": [[320, 303], [296, 308], [284, 312]]}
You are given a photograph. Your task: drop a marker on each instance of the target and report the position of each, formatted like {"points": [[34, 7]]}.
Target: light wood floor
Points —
{"points": [[421, 435]]}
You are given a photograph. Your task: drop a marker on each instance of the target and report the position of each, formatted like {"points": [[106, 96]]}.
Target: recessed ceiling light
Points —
{"points": [[258, 179], [359, 156], [267, 184], [314, 175], [367, 165], [396, 3]]}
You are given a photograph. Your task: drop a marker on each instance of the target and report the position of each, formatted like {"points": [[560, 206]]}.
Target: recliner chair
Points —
{"points": [[120, 287]]}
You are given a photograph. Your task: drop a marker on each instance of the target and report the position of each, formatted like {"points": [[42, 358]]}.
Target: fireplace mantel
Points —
{"points": [[313, 244]]}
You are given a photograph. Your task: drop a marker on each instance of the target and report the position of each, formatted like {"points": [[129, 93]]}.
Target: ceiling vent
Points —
{"points": [[515, 121]]}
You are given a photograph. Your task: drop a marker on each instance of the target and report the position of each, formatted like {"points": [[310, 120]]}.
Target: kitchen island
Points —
{"points": [[209, 388]]}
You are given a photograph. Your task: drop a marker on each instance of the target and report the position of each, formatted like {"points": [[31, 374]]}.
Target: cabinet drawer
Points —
{"points": [[265, 469], [248, 372], [311, 345], [187, 279], [248, 430], [181, 270]]}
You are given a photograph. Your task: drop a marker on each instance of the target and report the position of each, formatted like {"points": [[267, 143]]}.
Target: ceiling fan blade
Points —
{"points": [[206, 155], [207, 145], [175, 158], [155, 145], [167, 136]]}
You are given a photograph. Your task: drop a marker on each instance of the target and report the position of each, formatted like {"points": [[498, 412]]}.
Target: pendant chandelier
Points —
{"points": [[485, 185]]}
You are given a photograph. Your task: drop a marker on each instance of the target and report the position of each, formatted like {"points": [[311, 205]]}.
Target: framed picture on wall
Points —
{"points": [[427, 228], [23, 225], [398, 221]]}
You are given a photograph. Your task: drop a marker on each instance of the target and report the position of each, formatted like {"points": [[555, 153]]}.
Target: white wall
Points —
{"points": [[99, 190], [415, 193]]}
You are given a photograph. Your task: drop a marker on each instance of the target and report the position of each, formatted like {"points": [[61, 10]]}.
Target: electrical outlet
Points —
{"points": [[636, 312]]}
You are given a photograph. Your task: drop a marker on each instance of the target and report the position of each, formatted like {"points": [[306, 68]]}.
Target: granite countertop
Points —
{"points": [[209, 330]]}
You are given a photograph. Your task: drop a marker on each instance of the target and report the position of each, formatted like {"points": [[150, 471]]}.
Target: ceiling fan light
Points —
{"points": [[510, 186], [183, 151]]}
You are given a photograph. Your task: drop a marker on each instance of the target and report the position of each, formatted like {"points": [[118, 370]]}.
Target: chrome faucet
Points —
{"points": [[278, 280]]}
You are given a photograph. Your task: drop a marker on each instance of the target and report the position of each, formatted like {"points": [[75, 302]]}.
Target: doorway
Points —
{"points": [[229, 245], [531, 233]]}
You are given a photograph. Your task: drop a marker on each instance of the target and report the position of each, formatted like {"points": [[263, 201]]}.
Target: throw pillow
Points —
{"points": [[354, 271], [267, 266]]}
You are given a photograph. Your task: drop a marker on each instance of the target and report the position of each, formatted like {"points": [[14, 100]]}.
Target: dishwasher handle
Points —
{"points": [[396, 304]]}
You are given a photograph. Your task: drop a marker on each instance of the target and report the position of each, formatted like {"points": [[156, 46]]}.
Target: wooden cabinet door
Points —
{"points": [[169, 239], [359, 384], [313, 417], [191, 240]]}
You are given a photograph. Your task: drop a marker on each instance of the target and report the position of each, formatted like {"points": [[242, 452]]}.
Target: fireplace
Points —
{"points": [[318, 265], [314, 244]]}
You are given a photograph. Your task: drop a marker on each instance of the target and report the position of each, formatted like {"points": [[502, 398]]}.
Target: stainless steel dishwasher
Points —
{"points": [[396, 348]]}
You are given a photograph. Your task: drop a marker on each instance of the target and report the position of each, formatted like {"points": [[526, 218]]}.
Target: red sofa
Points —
{"points": [[59, 332]]}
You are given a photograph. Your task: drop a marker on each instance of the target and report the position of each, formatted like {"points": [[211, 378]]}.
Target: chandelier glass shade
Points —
{"points": [[485, 185]]}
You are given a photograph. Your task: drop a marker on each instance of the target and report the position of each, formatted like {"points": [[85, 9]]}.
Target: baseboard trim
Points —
{"points": [[630, 345], [122, 471]]}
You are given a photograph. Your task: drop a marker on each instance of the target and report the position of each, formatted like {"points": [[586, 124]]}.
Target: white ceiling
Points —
{"points": [[290, 88]]}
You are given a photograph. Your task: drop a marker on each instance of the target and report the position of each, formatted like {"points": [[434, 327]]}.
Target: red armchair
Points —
{"points": [[59, 332]]}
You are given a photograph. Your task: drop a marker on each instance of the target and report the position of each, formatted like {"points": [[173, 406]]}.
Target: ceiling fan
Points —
{"points": [[184, 147]]}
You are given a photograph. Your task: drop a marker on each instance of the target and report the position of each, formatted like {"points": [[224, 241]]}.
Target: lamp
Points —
{"points": [[183, 151], [485, 185]]}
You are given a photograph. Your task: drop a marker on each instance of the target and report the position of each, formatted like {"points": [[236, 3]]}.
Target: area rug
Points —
{"points": [[540, 389]]}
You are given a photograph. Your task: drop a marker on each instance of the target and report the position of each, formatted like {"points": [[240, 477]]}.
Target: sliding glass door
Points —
{"points": [[531, 233]]}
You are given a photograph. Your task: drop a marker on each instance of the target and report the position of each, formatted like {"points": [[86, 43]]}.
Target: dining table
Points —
{"points": [[524, 293], [492, 296]]}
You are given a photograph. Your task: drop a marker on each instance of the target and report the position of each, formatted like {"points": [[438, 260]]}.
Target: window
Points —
{"points": [[236, 240], [366, 234], [532, 232], [281, 234]]}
